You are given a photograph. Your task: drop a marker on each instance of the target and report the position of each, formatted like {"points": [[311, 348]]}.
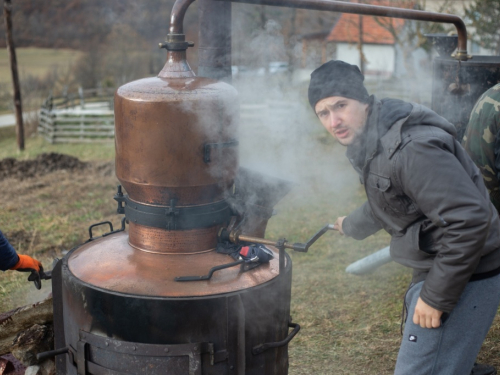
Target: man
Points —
{"points": [[482, 140], [9, 259], [426, 192]]}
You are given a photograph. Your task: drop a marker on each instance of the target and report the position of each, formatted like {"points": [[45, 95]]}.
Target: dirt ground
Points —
{"points": [[48, 203], [43, 164], [46, 207], [350, 324]]}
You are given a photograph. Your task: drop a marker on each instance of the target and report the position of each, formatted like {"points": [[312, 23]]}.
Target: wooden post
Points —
{"points": [[53, 127], [82, 125], [360, 42], [7, 11], [82, 97]]}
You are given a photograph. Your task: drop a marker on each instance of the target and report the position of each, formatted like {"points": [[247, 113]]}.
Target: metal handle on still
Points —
{"points": [[235, 237], [261, 348], [282, 244], [52, 353]]}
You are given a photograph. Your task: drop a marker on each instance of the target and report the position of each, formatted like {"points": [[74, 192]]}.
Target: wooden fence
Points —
{"points": [[84, 118], [81, 99], [83, 127]]}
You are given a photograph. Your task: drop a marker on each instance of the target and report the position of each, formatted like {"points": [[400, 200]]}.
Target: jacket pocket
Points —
{"points": [[387, 197], [382, 184], [426, 241], [418, 240], [406, 249]]}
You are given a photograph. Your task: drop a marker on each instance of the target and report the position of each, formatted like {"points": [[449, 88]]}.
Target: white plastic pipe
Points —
{"points": [[370, 263]]}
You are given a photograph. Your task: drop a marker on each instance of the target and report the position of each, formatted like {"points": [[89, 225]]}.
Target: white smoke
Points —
{"points": [[279, 133]]}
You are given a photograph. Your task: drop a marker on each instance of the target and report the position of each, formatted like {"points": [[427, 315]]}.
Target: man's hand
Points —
{"points": [[338, 224], [426, 316], [27, 263]]}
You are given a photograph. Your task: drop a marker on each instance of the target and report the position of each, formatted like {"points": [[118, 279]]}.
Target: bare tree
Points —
{"points": [[484, 16], [250, 21], [410, 35]]}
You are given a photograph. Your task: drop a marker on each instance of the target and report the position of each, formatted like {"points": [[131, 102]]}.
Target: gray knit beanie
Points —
{"points": [[337, 78]]}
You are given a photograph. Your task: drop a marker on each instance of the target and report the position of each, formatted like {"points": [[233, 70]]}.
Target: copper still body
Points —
{"points": [[167, 138]]}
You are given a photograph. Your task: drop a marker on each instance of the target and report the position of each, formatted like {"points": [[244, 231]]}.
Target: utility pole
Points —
{"points": [[7, 12]]}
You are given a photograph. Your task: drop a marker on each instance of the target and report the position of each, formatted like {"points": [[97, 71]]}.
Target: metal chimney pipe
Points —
{"points": [[180, 7], [214, 48], [375, 10], [177, 16]]}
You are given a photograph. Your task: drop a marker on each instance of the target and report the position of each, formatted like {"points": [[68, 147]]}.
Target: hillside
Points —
{"points": [[79, 24]]}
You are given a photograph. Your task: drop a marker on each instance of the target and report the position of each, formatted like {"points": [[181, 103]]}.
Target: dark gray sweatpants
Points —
{"points": [[452, 348]]}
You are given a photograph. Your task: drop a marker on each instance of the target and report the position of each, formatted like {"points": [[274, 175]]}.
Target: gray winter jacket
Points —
{"points": [[426, 192]]}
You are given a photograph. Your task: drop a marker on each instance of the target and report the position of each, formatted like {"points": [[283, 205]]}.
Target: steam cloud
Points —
{"points": [[279, 134]]}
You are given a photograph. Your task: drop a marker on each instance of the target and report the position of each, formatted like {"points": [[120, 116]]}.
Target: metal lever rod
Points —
{"points": [[37, 277], [256, 350], [52, 353], [263, 241], [303, 247], [236, 237], [210, 273]]}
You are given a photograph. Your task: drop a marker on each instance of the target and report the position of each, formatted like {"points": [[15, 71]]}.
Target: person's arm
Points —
{"points": [[9, 259], [8, 256], [482, 142], [360, 223], [434, 178]]}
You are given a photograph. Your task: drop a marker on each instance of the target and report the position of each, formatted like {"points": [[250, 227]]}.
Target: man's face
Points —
{"points": [[344, 118]]}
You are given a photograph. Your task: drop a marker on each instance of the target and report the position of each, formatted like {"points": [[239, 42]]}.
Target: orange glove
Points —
{"points": [[27, 264]]}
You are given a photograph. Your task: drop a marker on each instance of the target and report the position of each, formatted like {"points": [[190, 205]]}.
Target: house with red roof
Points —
{"points": [[361, 40], [365, 41]]}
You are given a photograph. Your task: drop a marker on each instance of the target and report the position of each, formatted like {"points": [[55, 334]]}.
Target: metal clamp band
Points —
{"points": [[207, 148], [177, 218]]}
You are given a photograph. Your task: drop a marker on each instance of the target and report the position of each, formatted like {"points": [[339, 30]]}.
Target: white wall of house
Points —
{"points": [[380, 58], [475, 49], [446, 6]]}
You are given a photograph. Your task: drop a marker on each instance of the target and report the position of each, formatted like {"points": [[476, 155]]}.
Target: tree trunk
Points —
{"points": [[291, 42], [263, 17], [36, 339], [360, 45], [7, 10]]}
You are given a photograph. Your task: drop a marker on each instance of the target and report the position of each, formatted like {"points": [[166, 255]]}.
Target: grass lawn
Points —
{"points": [[35, 61], [36, 145], [350, 324]]}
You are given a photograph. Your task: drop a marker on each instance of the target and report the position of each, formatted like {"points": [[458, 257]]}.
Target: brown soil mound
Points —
{"points": [[43, 164]]}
